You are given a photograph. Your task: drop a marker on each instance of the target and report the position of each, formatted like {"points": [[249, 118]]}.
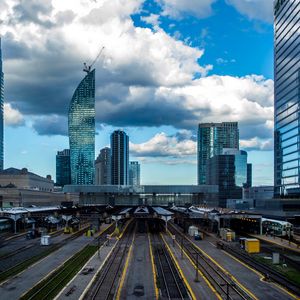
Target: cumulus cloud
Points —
{"points": [[144, 77], [254, 9], [180, 8], [12, 117], [257, 144], [163, 145]]}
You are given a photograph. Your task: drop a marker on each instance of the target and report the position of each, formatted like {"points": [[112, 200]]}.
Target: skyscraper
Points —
{"points": [[287, 98], [229, 172], [103, 167], [212, 138], [63, 169], [1, 111], [134, 173], [119, 144], [82, 131]]}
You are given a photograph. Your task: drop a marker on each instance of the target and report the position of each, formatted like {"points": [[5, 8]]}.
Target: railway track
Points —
{"points": [[220, 280], [170, 282], [105, 282], [264, 269]]}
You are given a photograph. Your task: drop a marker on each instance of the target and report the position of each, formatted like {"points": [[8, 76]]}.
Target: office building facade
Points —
{"points": [[1, 112], [287, 98], [82, 131], [103, 167], [119, 144], [229, 172], [63, 168], [134, 173], [249, 176], [212, 139]]}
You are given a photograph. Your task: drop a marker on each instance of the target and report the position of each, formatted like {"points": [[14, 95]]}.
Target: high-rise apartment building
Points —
{"points": [[134, 173], [212, 139], [103, 167], [63, 169], [119, 144], [249, 176], [82, 131], [1, 111], [287, 98]]}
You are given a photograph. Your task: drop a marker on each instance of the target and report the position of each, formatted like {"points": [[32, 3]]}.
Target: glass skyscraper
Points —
{"points": [[63, 170], [1, 110], [134, 173], [212, 139], [229, 172], [287, 97], [119, 144], [82, 131]]}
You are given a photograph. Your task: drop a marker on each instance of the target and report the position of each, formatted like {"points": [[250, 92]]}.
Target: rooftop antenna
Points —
{"points": [[87, 68]]}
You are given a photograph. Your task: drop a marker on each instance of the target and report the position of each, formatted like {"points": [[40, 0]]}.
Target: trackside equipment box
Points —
{"points": [[252, 245]]}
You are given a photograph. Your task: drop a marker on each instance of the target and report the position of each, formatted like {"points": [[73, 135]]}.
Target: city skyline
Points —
{"points": [[159, 108]]}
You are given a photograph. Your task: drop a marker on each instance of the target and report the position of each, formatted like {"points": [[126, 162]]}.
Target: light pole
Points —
{"points": [[196, 275]]}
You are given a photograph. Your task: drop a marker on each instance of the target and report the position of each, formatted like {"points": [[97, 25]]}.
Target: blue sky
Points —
{"points": [[167, 65]]}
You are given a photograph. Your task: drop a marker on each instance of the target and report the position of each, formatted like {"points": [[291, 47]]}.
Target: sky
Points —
{"points": [[166, 66]]}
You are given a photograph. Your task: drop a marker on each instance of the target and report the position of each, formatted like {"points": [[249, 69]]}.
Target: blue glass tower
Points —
{"points": [[82, 131], [1, 109], [287, 98]]}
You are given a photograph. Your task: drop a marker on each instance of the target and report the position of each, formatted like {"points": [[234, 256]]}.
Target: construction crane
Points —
{"points": [[86, 68]]}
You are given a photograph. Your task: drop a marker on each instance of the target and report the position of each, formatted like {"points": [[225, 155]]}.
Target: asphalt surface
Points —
{"points": [[139, 273], [14, 287]]}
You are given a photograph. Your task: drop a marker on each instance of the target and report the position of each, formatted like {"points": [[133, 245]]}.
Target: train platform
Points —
{"points": [[279, 242], [139, 280], [76, 288], [249, 278], [16, 286], [246, 276], [200, 289]]}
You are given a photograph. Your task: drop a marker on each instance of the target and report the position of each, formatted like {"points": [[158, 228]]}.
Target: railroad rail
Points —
{"points": [[170, 282], [220, 280], [106, 279], [269, 272]]}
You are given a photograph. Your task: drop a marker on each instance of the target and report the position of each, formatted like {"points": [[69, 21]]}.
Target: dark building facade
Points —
{"points": [[287, 98], [82, 131], [212, 139], [1, 111], [119, 142], [63, 168], [229, 172], [103, 167]]}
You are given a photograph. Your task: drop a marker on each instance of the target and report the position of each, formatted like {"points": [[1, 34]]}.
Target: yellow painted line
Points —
{"points": [[120, 236], [217, 294], [225, 271], [120, 287], [153, 268], [180, 270]]}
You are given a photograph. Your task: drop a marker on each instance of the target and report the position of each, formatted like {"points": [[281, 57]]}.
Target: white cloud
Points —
{"points": [[12, 117], [254, 9], [179, 8], [163, 145], [258, 144]]}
